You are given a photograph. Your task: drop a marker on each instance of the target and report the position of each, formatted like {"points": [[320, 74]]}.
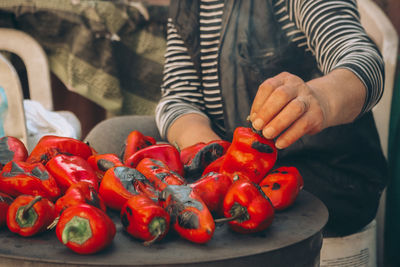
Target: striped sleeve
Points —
{"points": [[181, 85], [337, 39]]}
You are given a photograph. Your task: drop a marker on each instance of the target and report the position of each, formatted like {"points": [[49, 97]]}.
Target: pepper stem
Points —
{"points": [[54, 223], [156, 227], [151, 241], [238, 212], [76, 230], [29, 206]]}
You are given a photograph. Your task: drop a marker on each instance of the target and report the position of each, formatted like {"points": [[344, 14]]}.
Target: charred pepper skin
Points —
{"points": [[5, 202], [68, 170], [144, 219], [166, 153], [51, 145], [30, 215], [135, 142], [206, 155], [250, 155], [85, 229], [102, 162], [11, 148], [118, 186], [247, 207], [158, 174], [282, 186], [80, 193], [19, 177], [190, 217]]}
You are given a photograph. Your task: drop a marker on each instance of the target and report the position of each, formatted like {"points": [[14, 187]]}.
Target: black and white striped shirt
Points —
{"points": [[330, 30]]}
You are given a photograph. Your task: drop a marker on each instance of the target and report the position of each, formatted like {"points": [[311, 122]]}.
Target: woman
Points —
{"points": [[303, 72]]}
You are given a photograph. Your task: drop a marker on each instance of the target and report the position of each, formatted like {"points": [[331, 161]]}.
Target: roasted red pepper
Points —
{"points": [[207, 154], [18, 178], [250, 155], [282, 186], [188, 153], [118, 186], [247, 208], [158, 174], [30, 215], [85, 229], [214, 166], [80, 193], [144, 219], [5, 202], [50, 145], [166, 153], [212, 188], [102, 162], [135, 142], [11, 148], [68, 170], [190, 216]]}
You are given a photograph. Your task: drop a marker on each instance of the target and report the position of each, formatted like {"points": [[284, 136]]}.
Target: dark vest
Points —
{"points": [[343, 165]]}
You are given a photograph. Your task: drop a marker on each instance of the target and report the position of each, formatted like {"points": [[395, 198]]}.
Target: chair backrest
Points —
{"points": [[381, 30], [35, 60], [14, 122]]}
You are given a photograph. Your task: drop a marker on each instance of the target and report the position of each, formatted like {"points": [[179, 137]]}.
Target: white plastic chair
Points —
{"points": [[339, 250], [37, 68]]}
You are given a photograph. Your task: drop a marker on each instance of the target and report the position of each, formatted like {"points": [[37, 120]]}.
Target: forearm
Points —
{"points": [[190, 129]]}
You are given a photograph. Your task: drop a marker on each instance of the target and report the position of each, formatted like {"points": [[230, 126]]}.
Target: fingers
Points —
{"points": [[263, 93], [286, 108], [291, 112]]}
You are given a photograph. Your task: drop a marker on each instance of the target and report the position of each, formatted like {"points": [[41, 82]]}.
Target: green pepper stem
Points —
{"points": [[54, 223], [29, 206], [150, 242], [229, 219]]}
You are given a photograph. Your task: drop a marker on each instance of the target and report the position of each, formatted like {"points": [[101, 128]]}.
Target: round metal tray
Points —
{"points": [[293, 239]]}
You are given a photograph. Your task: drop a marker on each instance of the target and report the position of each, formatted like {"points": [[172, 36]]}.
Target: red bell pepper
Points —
{"points": [[11, 148], [166, 153], [144, 219], [282, 186], [50, 146], [85, 229], [246, 207], [118, 186], [30, 215], [68, 170], [135, 142], [207, 154], [250, 155], [80, 193], [5, 202], [102, 162], [190, 216], [18, 178], [214, 166], [188, 153], [158, 174], [212, 188]]}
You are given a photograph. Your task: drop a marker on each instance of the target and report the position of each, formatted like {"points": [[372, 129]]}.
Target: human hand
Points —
{"points": [[288, 108]]}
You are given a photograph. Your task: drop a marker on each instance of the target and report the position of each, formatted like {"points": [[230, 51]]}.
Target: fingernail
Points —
{"points": [[252, 116], [258, 124], [269, 132], [280, 144]]}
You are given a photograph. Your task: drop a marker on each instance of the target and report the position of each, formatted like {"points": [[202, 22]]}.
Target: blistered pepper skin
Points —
{"points": [[250, 155]]}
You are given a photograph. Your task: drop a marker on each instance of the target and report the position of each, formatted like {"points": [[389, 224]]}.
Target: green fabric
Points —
{"points": [[111, 52], [392, 227]]}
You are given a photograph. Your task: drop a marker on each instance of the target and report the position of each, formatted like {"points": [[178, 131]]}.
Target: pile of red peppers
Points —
{"points": [[66, 186]]}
